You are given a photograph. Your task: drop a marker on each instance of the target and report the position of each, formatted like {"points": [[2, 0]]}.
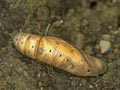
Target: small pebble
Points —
{"points": [[79, 40], [38, 75], [41, 88], [85, 23], [118, 62], [106, 37], [114, 1], [104, 46], [39, 84], [90, 86]]}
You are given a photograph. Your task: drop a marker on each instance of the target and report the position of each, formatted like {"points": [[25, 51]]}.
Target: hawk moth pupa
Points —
{"points": [[59, 53]]}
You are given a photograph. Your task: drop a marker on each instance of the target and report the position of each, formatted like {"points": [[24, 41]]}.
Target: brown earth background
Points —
{"points": [[83, 23]]}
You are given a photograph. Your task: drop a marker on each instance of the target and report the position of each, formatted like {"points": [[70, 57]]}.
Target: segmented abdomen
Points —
{"points": [[59, 53]]}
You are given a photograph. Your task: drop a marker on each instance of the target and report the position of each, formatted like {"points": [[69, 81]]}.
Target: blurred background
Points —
{"points": [[90, 25]]}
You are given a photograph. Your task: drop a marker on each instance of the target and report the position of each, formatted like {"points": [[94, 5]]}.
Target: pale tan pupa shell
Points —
{"points": [[59, 53]]}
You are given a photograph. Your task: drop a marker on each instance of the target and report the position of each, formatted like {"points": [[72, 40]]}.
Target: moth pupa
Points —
{"points": [[59, 53]]}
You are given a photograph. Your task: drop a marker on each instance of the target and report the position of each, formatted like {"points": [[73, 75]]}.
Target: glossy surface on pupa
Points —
{"points": [[59, 53]]}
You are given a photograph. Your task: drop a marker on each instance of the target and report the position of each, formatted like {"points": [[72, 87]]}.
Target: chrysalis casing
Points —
{"points": [[59, 53]]}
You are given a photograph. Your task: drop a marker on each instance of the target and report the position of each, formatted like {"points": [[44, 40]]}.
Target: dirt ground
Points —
{"points": [[83, 23]]}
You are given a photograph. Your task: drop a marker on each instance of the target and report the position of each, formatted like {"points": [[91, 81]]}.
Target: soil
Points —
{"points": [[69, 19]]}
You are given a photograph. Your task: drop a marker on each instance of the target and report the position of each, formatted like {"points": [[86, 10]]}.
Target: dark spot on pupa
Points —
{"points": [[67, 60], [49, 50], [88, 70], [32, 46], [21, 42], [72, 51], [57, 43], [60, 55]]}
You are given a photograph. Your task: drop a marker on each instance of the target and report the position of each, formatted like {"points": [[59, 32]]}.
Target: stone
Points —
{"points": [[104, 46], [78, 40], [106, 37]]}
